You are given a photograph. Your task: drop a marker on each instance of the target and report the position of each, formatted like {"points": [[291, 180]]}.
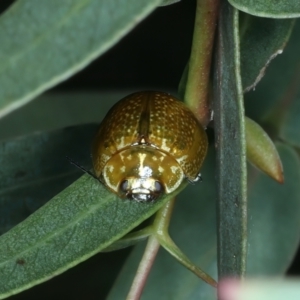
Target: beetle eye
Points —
{"points": [[158, 187], [124, 186]]}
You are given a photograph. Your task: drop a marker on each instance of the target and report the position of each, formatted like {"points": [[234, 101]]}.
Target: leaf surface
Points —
{"points": [[35, 169], [279, 87], [168, 2], [262, 40], [231, 171], [77, 223], [55, 39], [269, 8], [74, 225]]}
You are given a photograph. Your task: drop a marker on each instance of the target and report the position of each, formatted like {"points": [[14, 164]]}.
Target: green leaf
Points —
{"points": [[34, 168], [76, 224], [183, 81], [273, 234], [52, 40], [34, 116], [261, 41], [290, 126], [261, 151], [168, 2], [229, 127], [274, 223], [269, 8], [279, 87]]}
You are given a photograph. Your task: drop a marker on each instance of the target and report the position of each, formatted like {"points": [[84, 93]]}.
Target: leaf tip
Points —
{"points": [[261, 151], [279, 176]]}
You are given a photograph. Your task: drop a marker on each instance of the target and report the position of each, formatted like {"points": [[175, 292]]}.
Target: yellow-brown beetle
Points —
{"points": [[148, 143]]}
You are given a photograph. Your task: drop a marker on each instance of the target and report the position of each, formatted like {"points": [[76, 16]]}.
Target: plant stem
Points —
{"points": [[129, 239], [159, 227], [144, 268], [197, 87], [171, 247], [163, 218]]}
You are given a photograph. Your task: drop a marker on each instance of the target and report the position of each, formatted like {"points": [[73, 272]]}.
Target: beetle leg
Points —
{"points": [[193, 181]]}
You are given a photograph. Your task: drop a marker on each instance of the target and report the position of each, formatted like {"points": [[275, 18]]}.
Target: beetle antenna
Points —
{"points": [[71, 161]]}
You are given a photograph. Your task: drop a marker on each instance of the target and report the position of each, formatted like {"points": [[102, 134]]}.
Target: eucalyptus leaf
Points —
{"points": [[52, 40], [69, 109], [262, 40], [269, 8], [229, 125], [76, 224], [261, 151], [289, 129], [34, 168], [168, 2], [183, 81], [275, 94], [274, 228]]}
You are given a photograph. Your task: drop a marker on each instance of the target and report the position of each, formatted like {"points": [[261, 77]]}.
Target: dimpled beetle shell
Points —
{"points": [[147, 144]]}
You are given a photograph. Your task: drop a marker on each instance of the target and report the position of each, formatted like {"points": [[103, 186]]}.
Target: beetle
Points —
{"points": [[147, 144]]}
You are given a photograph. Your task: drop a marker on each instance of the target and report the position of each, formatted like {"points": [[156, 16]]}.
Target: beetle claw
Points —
{"points": [[193, 181]]}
